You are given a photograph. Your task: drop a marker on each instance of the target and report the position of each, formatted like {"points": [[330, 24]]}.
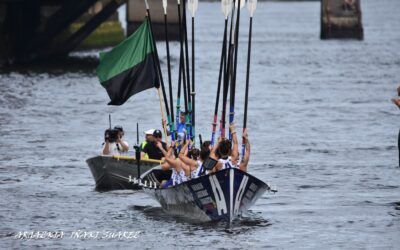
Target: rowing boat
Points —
{"points": [[221, 196], [114, 172]]}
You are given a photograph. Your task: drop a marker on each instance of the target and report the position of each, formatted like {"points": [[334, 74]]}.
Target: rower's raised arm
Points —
{"points": [[246, 158], [213, 155], [186, 160], [235, 150]]}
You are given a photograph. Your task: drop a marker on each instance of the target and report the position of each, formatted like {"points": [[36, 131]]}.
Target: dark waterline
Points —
{"points": [[321, 124]]}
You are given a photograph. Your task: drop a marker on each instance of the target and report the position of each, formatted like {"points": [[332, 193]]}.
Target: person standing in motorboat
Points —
{"points": [[113, 142], [151, 148], [148, 138], [180, 129]]}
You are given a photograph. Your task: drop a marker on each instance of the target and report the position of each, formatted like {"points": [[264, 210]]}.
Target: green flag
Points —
{"points": [[130, 67]]}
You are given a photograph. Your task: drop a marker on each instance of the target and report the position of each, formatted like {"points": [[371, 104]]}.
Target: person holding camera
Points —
{"points": [[113, 142]]}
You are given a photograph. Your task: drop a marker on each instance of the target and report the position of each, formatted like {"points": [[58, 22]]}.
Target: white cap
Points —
{"points": [[149, 132]]}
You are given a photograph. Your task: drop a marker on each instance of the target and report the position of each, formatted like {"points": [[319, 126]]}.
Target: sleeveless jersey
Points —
{"points": [[198, 171], [178, 177], [227, 163]]}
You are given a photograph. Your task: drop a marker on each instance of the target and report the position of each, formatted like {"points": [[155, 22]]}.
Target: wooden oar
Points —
{"points": [[158, 67], [251, 5]]}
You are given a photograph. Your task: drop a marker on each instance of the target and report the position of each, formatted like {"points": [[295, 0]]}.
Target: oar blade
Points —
{"points": [[192, 6], [242, 2], [251, 6], [164, 5], [226, 6]]}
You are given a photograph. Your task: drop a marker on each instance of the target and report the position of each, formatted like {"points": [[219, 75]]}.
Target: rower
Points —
{"points": [[223, 152], [179, 170], [196, 158]]}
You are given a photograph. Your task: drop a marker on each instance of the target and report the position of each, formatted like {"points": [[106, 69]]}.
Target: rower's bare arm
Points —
{"points": [[173, 163], [171, 150], [186, 160], [246, 158], [165, 166], [183, 156], [213, 155], [185, 168], [235, 150]]}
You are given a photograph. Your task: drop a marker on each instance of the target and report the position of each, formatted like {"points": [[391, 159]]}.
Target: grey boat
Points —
{"points": [[115, 172]]}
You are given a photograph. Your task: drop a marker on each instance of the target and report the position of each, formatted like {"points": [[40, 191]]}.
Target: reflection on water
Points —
{"points": [[74, 64]]}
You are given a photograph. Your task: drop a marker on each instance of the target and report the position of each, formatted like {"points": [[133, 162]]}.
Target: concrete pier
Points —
{"points": [[341, 19]]}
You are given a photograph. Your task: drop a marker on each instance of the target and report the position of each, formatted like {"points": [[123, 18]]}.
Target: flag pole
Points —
{"points": [[159, 73], [170, 118], [251, 5]]}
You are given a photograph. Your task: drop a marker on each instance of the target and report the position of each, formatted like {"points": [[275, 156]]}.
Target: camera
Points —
{"points": [[111, 135]]}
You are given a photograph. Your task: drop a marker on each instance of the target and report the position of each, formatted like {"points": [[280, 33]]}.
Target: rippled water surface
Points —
{"points": [[322, 128]]}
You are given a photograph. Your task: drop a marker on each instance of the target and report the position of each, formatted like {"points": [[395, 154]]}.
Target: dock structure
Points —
{"points": [[42, 29], [341, 19], [31, 30]]}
